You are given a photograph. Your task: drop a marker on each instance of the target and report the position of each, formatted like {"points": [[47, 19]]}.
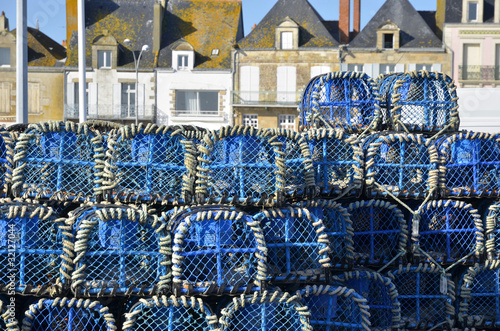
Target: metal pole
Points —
{"points": [[82, 106], [137, 88], [22, 63]]}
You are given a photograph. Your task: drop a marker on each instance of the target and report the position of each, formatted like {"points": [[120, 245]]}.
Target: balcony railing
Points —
{"points": [[111, 112], [479, 73], [262, 98], [203, 113]]}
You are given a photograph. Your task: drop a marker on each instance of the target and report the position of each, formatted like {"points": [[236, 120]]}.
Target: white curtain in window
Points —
{"points": [[191, 100]]}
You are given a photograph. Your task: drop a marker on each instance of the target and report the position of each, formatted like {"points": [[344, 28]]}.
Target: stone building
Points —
{"points": [[45, 75], [471, 31]]}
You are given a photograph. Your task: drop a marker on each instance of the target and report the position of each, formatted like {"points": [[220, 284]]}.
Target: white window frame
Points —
{"points": [[130, 107], [251, 120], [197, 111], [181, 54], [469, 3], [102, 63], [286, 39], [286, 122], [6, 52]]}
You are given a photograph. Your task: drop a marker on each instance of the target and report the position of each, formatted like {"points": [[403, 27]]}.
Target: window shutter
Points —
{"points": [[344, 67], [117, 99], [70, 93], [412, 67], [400, 67], [368, 69], [436, 67], [249, 82], [286, 83], [92, 94], [375, 70]]}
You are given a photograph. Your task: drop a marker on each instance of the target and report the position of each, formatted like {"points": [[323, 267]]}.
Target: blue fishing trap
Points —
{"points": [[404, 165], [30, 248], [265, 311], [424, 102], [340, 100], [337, 162], [336, 308], [68, 314], [380, 294], [240, 165], [384, 101], [7, 143], [479, 298], [58, 160], [426, 295], [380, 232], [170, 314], [470, 165], [8, 319], [298, 249], [493, 234], [118, 250], [217, 250], [449, 231], [148, 163], [338, 229]]}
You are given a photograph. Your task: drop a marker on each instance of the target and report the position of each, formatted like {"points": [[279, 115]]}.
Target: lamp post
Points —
{"points": [[137, 61]]}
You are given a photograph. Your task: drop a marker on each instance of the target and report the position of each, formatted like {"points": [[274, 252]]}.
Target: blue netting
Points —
{"points": [[297, 248], [239, 165], [480, 298], [219, 250], [340, 100], [119, 250], [381, 296], [264, 312], [385, 84], [402, 164], [338, 227], [426, 297], [7, 142], [150, 163], [170, 314], [337, 162], [493, 233], [424, 102], [58, 158], [380, 231], [449, 231], [30, 247], [470, 165], [63, 314], [336, 308]]}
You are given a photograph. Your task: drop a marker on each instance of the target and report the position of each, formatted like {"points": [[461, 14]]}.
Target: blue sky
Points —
{"points": [[51, 13]]}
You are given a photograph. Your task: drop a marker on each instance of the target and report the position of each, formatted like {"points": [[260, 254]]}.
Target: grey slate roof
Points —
{"points": [[312, 30], [415, 32], [453, 13]]}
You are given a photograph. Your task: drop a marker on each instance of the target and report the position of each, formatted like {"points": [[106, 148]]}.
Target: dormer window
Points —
{"points": [[287, 34], [182, 56], [104, 52], [4, 56], [388, 36], [182, 62], [472, 11], [388, 40]]}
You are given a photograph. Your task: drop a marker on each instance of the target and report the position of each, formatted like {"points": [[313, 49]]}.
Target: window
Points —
{"points": [[287, 40], [77, 93], [128, 100], [427, 67], [286, 122], [497, 62], [249, 84], [103, 59], [287, 84], [4, 57], [355, 67], [5, 104], [33, 98], [388, 40], [182, 62], [472, 10], [471, 69], [197, 102], [251, 120], [387, 68]]}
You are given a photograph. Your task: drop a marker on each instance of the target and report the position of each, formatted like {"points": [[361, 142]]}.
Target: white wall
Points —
{"points": [[479, 109], [168, 81]]}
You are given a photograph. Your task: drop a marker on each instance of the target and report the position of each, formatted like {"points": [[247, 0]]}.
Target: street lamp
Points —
{"points": [[137, 60]]}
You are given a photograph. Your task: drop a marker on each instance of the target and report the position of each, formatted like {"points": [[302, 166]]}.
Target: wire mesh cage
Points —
{"points": [[426, 295], [380, 232], [493, 235], [58, 160], [265, 311], [424, 101], [68, 314], [299, 172], [240, 165], [217, 250], [337, 162], [30, 248], [449, 231], [340, 100], [479, 298], [403, 165], [297, 247], [148, 163], [117, 250], [170, 314], [338, 227], [8, 319], [385, 84], [336, 308], [470, 165], [380, 294], [7, 143]]}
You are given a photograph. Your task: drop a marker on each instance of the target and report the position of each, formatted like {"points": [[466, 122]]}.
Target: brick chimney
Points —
{"points": [[4, 23], [344, 20], [356, 24]]}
